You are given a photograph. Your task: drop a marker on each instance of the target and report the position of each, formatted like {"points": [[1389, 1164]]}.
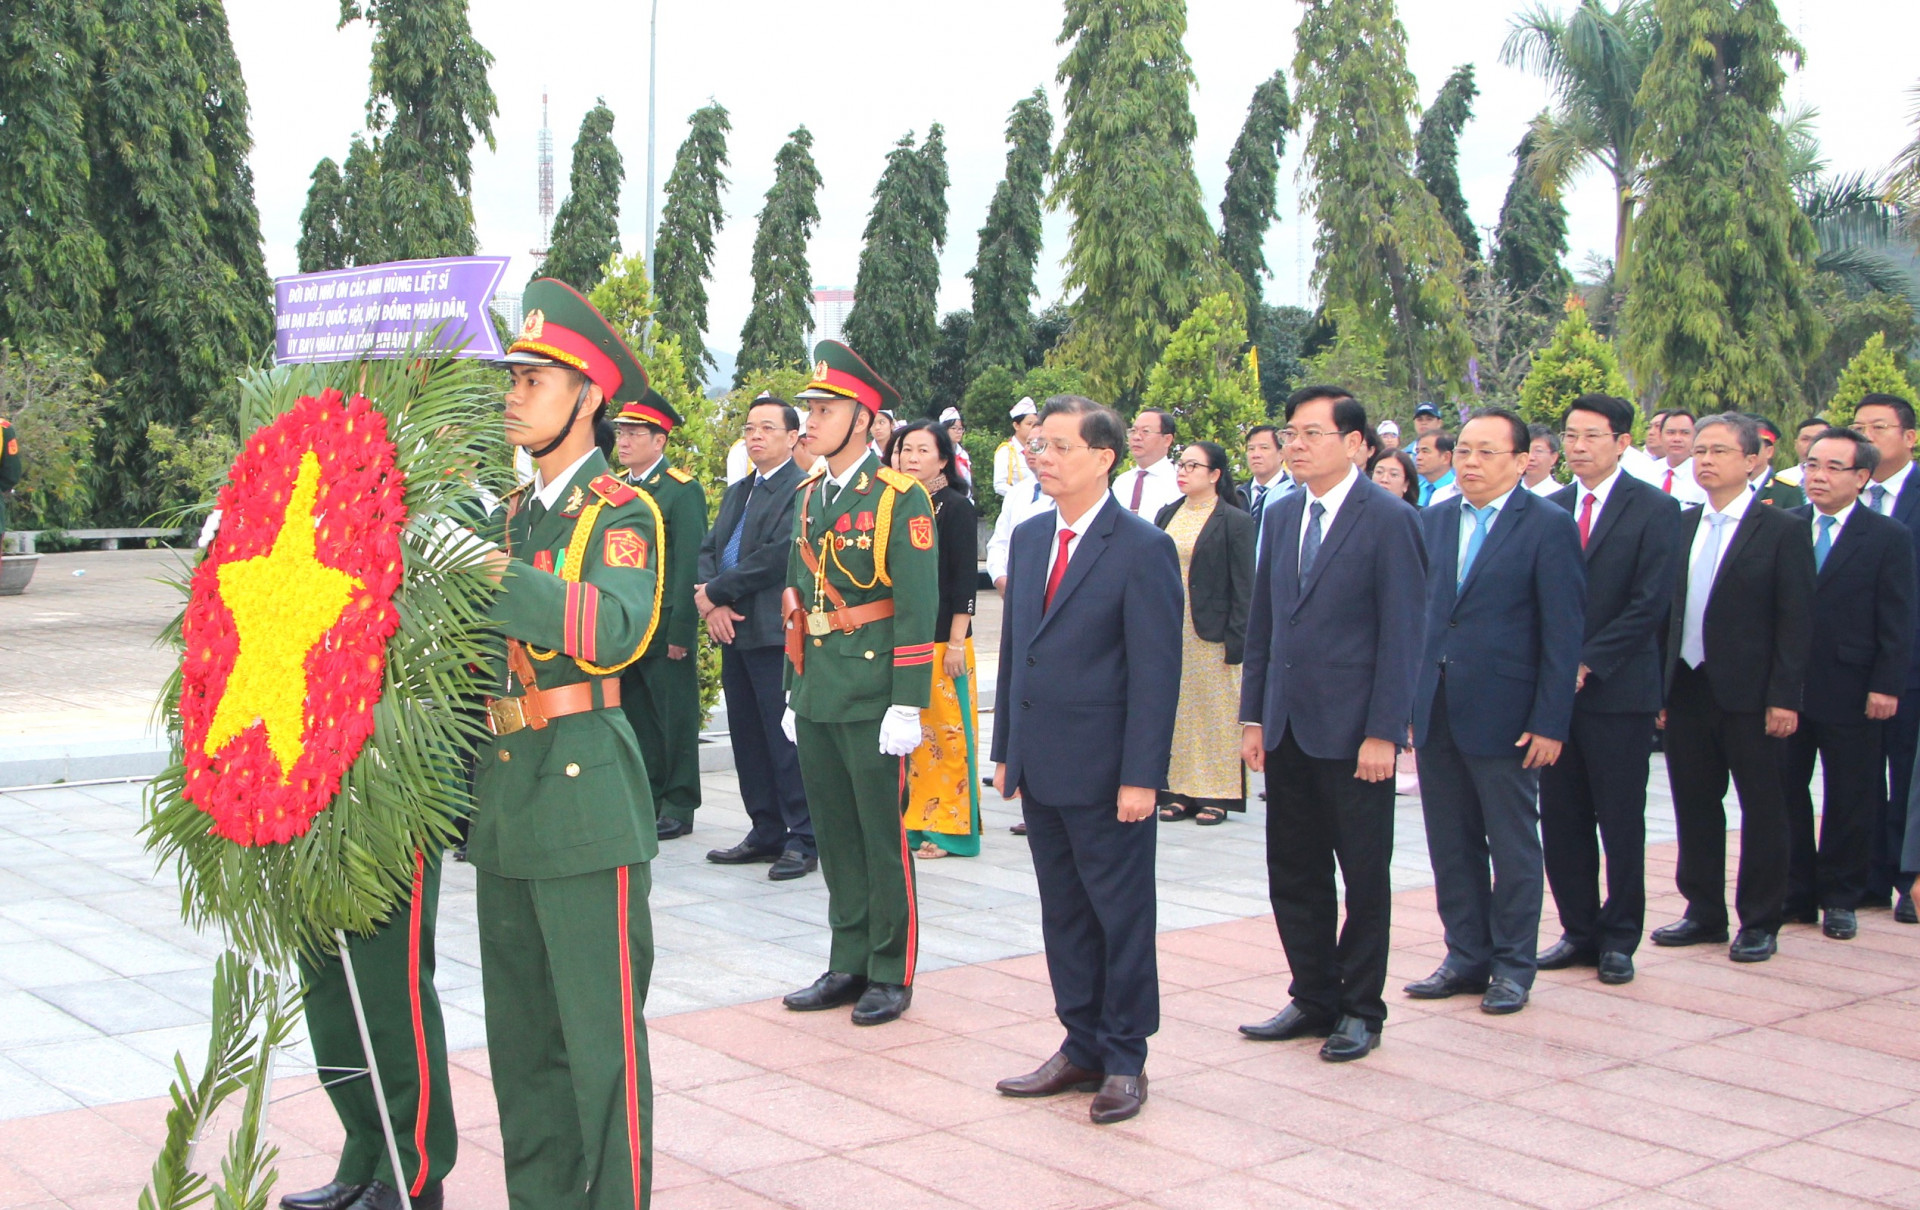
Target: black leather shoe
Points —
{"points": [[1753, 945], [1119, 1098], [1351, 1039], [1019, 829], [1288, 1023], [881, 1003], [1503, 996], [1616, 968], [830, 990], [1443, 983], [1841, 924], [1562, 954], [669, 828], [742, 853], [1055, 1076], [1903, 912], [1688, 932], [793, 864], [334, 1195], [381, 1196]]}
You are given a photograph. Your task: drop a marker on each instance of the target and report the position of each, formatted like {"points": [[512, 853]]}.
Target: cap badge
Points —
{"points": [[819, 371], [535, 322]]}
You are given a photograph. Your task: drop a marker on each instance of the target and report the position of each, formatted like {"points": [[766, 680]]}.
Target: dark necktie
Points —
{"points": [[1139, 489], [730, 557], [1259, 501], [1310, 545]]}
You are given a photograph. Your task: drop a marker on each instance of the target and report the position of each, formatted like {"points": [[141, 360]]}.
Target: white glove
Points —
{"points": [[209, 529], [786, 726], [899, 730], [446, 536]]}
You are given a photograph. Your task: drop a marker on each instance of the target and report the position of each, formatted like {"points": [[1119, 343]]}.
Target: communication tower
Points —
{"points": [[546, 184]]}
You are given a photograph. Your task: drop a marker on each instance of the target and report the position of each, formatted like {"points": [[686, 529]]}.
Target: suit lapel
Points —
{"points": [[1906, 505], [1285, 552], [1619, 500], [1742, 534], [1447, 558], [1844, 547], [1344, 522], [1093, 544], [1504, 523]]}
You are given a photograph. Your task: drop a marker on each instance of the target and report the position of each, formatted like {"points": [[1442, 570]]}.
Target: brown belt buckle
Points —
{"points": [[505, 715]]}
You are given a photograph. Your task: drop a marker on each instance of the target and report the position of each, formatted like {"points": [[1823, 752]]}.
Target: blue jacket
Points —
{"points": [[1509, 637], [1335, 658], [1088, 689]]}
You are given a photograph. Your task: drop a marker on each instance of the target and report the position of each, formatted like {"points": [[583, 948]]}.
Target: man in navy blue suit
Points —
{"points": [[1333, 645], [1083, 729], [1506, 591]]}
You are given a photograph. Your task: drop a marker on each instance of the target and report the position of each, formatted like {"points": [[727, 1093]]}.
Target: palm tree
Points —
{"points": [[1903, 184], [1593, 60]]}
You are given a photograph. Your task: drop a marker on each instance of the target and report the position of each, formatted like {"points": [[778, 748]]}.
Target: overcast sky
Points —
{"points": [[861, 73]]}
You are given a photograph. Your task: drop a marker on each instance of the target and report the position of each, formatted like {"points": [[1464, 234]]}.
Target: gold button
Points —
{"points": [[505, 755], [816, 642], [573, 770], [869, 655]]}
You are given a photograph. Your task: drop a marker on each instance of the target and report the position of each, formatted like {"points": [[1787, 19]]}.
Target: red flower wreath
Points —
{"points": [[288, 619]]}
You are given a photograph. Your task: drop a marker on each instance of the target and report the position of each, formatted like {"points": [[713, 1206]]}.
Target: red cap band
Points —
{"points": [[570, 348]]}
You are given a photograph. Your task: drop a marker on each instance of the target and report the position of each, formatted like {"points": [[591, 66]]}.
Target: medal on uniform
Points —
{"points": [[864, 524]]}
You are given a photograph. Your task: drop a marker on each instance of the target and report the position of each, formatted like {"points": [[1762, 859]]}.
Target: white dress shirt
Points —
{"points": [[1161, 490], [1893, 484], [1079, 527], [1498, 506], [1839, 522], [1686, 489], [1010, 469], [1546, 487], [1643, 466], [1698, 595], [1581, 491], [1335, 497], [548, 494], [739, 466], [1735, 510], [1028, 501]]}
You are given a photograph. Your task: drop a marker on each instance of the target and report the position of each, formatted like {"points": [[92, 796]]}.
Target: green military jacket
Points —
{"points": [[683, 506], [582, 592], [889, 662], [1780, 494], [11, 465]]}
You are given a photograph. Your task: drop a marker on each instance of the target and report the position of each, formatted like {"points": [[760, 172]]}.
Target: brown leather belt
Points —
{"points": [[505, 715], [800, 623]]}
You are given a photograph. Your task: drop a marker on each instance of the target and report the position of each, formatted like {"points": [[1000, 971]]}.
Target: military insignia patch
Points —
{"points": [[536, 322], [678, 475], [624, 548], [842, 523], [576, 500], [13, 445], [543, 559], [920, 532], [862, 483], [819, 371]]}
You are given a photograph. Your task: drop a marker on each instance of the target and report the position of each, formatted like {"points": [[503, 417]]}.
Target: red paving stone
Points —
{"points": [[1790, 1084]]}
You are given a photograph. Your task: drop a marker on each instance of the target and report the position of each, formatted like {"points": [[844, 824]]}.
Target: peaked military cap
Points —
{"points": [[839, 373], [562, 328], [650, 408]]}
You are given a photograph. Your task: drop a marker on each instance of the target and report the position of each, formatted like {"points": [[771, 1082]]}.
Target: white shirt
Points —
{"points": [[739, 466], [1735, 510], [548, 494], [1498, 506], [1079, 527], [1335, 497], [1546, 487], [1161, 490], [841, 480], [1010, 469], [651, 467], [1686, 489], [1893, 483], [1444, 493], [1028, 501], [1839, 522], [1581, 491]]}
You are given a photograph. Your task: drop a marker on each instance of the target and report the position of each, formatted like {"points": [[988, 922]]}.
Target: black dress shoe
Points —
{"points": [[1903, 912], [669, 828], [1288, 1023], [742, 853], [1351, 1039], [881, 1003], [830, 990], [334, 1195], [1688, 932], [381, 1196], [1119, 1098], [1616, 968], [1562, 954], [1753, 945], [1503, 996], [1019, 829], [793, 864], [1057, 1075], [1443, 983], [1841, 924]]}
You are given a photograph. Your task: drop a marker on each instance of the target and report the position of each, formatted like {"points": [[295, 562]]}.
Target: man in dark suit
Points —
{"points": [[1332, 642], [1504, 619], [743, 567], [1089, 682], [1888, 422], [1630, 531], [1863, 609], [1736, 669]]}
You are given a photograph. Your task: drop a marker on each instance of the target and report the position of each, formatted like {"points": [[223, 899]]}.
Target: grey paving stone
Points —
{"points": [[26, 1020], [120, 1006], [96, 1071], [24, 1094], [37, 963]]}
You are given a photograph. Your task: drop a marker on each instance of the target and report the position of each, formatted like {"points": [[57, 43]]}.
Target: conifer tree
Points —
{"points": [[54, 268], [895, 321], [683, 250], [1384, 255], [1530, 244], [233, 220], [322, 244], [1578, 361], [775, 333], [1437, 154], [1143, 252], [1874, 368], [1204, 380], [1720, 307], [1002, 275], [1253, 172], [365, 235], [586, 230]]}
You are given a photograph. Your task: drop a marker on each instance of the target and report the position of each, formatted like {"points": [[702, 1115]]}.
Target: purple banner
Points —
{"points": [[385, 310]]}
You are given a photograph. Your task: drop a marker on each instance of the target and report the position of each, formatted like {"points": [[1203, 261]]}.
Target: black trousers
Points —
{"points": [[1833, 873], [767, 763], [1318, 813], [1595, 795], [1097, 919], [1706, 745], [1901, 740]]}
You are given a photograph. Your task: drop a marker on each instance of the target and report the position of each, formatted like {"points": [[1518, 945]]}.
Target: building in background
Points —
{"points": [[831, 306]]}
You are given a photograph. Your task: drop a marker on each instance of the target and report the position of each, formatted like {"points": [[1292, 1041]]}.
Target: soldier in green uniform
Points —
{"points": [[11, 466], [863, 585], [661, 691], [1769, 487], [563, 825]]}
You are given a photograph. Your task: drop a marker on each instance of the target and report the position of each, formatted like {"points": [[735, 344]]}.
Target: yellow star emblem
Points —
{"points": [[282, 603]]}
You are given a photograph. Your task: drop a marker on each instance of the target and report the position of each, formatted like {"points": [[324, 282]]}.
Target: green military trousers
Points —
{"points": [[565, 964], [661, 699], [394, 968], [854, 793]]}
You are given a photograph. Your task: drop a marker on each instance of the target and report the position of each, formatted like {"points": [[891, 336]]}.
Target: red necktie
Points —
{"points": [[1139, 486], [1586, 519], [1059, 568], [1667, 487]]}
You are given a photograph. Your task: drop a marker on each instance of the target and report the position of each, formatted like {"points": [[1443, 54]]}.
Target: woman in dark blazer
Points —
{"points": [[1214, 536]]}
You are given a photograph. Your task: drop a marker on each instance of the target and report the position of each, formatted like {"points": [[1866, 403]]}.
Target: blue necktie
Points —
{"points": [[1482, 518], [731, 555], [1823, 545], [1877, 497], [1036, 493], [1310, 545], [1259, 501]]}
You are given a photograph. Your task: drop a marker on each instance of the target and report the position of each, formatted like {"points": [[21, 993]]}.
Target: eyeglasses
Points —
{"points": [[1059, 445], [1192, 466], [1718, 451], [1600, 435], [750, 429], [1468, 453], [1144, 431], [1876, 428], [1289, 436]]}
